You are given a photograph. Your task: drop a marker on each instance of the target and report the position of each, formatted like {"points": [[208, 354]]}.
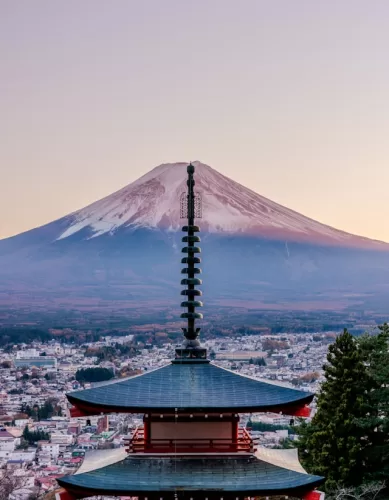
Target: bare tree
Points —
{"points": [[368, 491], [10, 483]]}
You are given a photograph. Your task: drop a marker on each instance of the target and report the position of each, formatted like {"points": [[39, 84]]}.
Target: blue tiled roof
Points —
{"points": [[141, 475], [186, 387]]}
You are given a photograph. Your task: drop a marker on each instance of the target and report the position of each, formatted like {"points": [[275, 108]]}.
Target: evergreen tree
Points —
{"points": [[331, 445], [32, 437], [97, 374], [25, 433], [375, 350], [26, 409], [35, 412], [45, 411]]}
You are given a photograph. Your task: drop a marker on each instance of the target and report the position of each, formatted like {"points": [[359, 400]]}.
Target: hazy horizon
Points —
{"points": [[288, 99]]}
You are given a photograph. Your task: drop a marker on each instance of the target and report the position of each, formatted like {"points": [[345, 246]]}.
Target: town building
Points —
{"points": [[8, 443], [37, 362]]}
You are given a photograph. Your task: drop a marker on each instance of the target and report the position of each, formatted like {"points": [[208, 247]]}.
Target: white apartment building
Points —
{"points": [[7, 443], [27, 353], [62, 439], [50, 449]]}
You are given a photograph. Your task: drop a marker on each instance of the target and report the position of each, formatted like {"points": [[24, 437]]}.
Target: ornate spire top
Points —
{"points": [[191, 209]]}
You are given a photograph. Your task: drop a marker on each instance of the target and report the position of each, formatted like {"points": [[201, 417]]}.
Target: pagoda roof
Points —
{"points": [[189, 387], [211, 476]]}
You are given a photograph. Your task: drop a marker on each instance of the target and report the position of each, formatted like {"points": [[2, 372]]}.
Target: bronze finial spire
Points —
{"points": [[191, 209]]}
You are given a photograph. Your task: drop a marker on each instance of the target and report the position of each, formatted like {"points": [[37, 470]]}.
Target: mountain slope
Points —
{"points": [[228, 207], [127, 247]]}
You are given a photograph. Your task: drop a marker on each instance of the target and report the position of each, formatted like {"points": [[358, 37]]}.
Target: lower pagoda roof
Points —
{"points": [[197, 386], [168, 477]]}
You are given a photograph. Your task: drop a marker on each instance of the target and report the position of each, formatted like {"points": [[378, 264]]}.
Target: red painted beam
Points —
{"points": [[314, 495], [302, 411], [62, 494], [84, 410], [77, 412]]}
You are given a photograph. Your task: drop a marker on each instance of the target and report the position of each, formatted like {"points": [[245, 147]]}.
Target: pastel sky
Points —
{"points": [[290, 98]]}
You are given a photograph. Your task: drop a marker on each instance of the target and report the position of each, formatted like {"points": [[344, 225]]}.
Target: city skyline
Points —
{"points": [[288, 100]]}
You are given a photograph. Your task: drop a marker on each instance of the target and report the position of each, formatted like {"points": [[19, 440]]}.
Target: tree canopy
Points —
{"points": [[97, 374], [347, 440], [375, 423], [31, 437], [49, 409]]}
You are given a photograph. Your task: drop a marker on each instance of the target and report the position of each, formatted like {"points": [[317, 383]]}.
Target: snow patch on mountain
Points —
{"points": [[152, 201]]}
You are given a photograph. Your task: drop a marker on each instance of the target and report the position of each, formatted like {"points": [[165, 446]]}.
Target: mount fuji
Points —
{"points": [[127, 247]]}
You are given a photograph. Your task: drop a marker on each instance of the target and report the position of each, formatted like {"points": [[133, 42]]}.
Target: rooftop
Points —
{"points": [[165, 476], [189, 386]]}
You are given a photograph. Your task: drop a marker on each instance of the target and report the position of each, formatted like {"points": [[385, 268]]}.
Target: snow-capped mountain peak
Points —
{"points": [[152, 201]]}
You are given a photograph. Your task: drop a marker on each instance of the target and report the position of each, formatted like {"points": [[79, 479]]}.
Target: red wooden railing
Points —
{"points": [[137, 444]]}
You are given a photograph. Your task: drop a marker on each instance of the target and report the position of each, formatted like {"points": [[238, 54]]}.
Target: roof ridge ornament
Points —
{"points": [[191, 209]]}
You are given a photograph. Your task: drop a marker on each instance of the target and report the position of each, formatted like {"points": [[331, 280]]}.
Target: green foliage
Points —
{"points": [[15, 391], [375, 423], [11, 336], [97, 374], [111, 353], [258, 361], [23, 444], [348, 438], [106, 353], [34, 436], [265, 427], [45, 411], [285, 444], [332, 444], [49, 409], [26, 409]]}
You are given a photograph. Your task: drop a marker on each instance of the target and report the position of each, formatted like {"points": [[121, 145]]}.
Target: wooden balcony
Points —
{"points": [[137, 444]]}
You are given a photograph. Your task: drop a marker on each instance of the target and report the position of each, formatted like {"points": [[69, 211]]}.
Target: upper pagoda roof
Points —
{"points": [[195, 386]]}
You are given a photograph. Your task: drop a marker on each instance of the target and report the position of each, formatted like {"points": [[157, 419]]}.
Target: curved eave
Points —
{"points": [[210, 477], [294, 409], [80, 492], [190, 387]]}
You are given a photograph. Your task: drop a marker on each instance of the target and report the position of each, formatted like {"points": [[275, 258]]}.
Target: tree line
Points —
{"points": [[31, 437], [14, 335], [97, 374], [267, 427], [49, 409]]}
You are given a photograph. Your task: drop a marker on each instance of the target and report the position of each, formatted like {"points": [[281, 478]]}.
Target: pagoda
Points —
{"points": [[190, 445]]}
